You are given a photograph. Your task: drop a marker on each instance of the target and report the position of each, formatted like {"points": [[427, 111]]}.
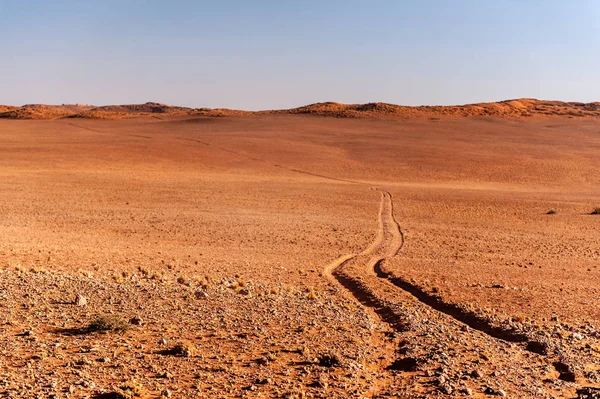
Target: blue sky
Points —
{"points": [[284, 53]]}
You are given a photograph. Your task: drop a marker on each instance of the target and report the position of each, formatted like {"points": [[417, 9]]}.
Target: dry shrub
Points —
{"points": [[107, 323], [329, 359]]}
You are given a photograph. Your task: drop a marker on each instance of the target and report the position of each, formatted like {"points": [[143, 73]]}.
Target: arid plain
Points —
{"points": [[335, 253]]}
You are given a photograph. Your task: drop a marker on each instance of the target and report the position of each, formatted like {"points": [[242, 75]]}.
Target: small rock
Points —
{"points": [[495, 392], [476, 373], [446, 389], [166, 374], [80, 300], [136, 320], [201, 294], [166, 393], [183, 348], [567, 373]]}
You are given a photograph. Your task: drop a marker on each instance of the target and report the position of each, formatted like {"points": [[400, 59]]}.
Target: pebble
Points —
{"points": [[495, 392], [80, 300], [446, 389], [476, 374], [201, 294]]}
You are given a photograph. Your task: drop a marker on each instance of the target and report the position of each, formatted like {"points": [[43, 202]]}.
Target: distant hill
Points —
{"points": [[519, 108], [41, 111]]}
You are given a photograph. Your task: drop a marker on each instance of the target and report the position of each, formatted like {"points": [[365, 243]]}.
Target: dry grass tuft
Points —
{"points": [[108, 323]]}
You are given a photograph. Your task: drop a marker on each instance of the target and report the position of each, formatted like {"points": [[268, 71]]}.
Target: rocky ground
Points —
{"points": [[298, 256], [76, 336]]}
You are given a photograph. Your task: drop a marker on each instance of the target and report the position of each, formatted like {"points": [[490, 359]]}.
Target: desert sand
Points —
{"points": [[329, 251]]}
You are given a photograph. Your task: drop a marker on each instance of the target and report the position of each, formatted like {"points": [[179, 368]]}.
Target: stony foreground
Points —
{"points": [[183, 339], [142, 335]]}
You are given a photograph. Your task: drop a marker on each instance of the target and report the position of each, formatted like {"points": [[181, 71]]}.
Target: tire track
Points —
{"points": [[384, 244], [387, 244], [275, 165], [433, 301], [390, 240], [109, 133]]}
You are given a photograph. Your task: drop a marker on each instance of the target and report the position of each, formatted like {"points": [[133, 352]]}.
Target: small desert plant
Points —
{"points": [[551, 212], [329, 359], [105, 323], [595, 211], [184, 349]]}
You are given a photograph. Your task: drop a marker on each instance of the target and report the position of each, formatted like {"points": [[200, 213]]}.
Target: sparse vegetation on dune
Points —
{"points": [[520, 108]]}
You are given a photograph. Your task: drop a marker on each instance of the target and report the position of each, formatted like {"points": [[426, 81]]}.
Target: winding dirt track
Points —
{"points": [[387, 244]]}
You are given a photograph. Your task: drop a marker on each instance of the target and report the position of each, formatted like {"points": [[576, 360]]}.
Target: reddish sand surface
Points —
{"points": [[434, 230]]}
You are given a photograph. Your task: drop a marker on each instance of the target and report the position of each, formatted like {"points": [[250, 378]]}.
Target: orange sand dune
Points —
{"points": [[519, 108]]}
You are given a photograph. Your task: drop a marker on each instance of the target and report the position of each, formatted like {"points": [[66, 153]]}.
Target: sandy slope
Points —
{"points": [[527, 108]]}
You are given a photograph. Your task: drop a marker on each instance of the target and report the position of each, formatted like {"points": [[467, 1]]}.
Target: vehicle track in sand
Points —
{"points": [[387, 244]]}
